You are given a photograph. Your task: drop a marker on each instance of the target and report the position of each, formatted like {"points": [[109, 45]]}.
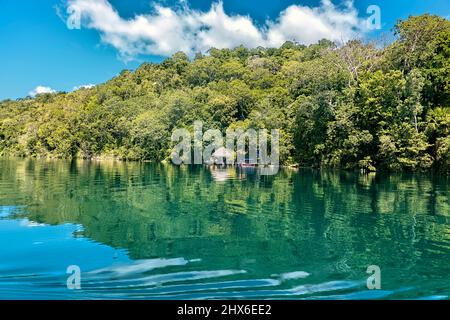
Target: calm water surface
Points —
{"points": [[146, 231]]}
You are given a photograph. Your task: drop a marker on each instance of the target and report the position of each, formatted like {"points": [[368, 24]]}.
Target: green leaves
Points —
{"points": [[403, 148]]}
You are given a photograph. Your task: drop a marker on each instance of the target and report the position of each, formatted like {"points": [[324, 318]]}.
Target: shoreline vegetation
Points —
{"points": [[357, 106]]}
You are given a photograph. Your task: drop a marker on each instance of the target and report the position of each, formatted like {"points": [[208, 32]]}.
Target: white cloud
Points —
{"points": [[40, 90], [84, 86], [168, 30], [308, 25]]}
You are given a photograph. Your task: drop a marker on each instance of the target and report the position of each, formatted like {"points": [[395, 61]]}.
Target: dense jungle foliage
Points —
{"points": [[354, 106]]}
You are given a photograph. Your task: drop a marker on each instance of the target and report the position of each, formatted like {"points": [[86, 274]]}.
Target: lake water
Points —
{"points": [[146, 231]]}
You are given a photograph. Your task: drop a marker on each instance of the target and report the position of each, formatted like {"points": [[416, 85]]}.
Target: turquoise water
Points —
{"points": [[146, 231]]}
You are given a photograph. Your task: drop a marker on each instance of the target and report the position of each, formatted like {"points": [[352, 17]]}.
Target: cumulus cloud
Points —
{"points": [[40, 90], [84, 86], [167, 30]]}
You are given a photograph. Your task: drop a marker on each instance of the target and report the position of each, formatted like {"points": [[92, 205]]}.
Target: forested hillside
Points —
{"points": [[357, 106]]}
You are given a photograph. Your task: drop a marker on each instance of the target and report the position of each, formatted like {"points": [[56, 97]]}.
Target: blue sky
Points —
{"points": [[39, 49]]}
